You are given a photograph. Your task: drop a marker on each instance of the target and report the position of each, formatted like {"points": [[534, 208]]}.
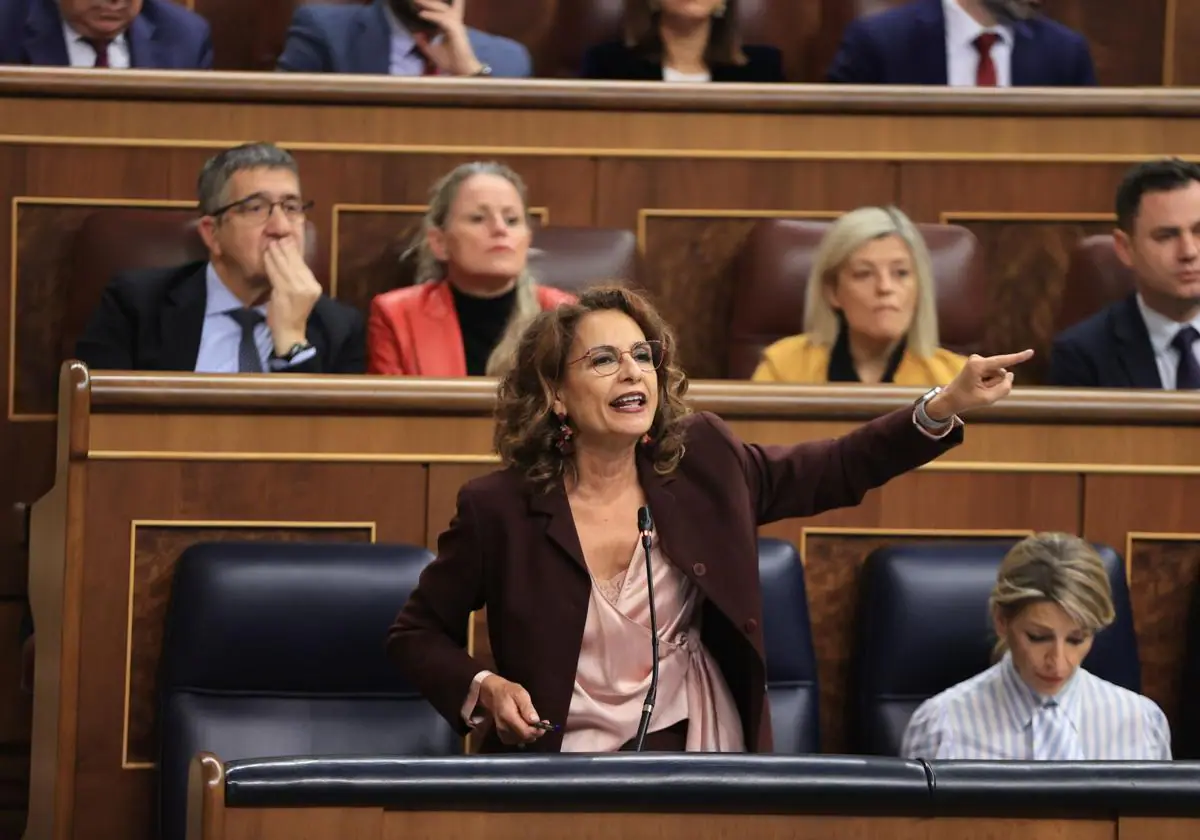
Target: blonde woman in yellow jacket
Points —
{"points": [[869, 312]]}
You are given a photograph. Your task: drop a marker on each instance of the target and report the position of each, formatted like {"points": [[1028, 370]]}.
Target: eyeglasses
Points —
{"points": [[605, 360], [257, 208]]}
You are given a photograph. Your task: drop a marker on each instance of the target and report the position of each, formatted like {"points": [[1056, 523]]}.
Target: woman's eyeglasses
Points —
{"points": [[605, 360]]}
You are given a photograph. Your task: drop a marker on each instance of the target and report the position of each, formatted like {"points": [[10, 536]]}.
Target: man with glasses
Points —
{"points": [[253, 307]]}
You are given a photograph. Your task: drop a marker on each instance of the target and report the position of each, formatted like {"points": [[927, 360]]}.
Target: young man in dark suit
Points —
{"points": [[118, 34], [1149, 339], [253, 307], [985, 43]]}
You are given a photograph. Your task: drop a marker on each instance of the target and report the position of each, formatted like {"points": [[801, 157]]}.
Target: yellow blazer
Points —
{"points": [[797, 360]]}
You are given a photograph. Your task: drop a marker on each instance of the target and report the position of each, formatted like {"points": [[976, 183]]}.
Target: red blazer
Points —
{"points": [[515, 550], [414, 331]]}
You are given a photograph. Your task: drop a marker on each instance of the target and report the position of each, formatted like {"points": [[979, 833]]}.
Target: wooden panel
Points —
{"points": [[1151, 519], [709, 826], [1027, 265], [1156, 828], [156, 549], [1126, 39], [1163, 575], [47, 288], [1182, 63], [248, 497]]}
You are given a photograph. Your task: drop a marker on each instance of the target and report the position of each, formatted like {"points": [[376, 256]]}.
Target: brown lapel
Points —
{"points": [[561, 526], [436, 334], [690, 542]]}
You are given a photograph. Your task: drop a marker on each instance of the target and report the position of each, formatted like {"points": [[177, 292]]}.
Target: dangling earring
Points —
{"points": [[563, 436], [646, 439], [719, 12]]}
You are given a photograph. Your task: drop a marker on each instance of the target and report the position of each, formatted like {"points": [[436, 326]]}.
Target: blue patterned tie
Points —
{"points": [[1189, 369], [248, 359], [1054, 736]]}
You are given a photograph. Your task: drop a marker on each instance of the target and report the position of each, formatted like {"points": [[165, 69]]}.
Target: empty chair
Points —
{"points": [[277, 649], [792, 690], [923, 626], [574, 258]]}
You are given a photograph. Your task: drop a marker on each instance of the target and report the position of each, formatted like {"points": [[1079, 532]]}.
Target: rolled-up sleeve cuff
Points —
{"points": [[471, 714]]}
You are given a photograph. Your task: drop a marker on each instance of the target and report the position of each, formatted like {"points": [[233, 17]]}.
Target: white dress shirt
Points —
{"points": [[990, 717], [1162, 332], [83, 54], [221, 336], [672, 75], [962, 56]]}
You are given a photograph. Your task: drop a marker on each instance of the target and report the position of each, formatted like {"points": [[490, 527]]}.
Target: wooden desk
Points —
{"points": [[150, 464], [881, 811]]}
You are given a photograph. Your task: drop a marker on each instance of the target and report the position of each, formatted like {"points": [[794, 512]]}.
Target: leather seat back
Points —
{"points": [[923, 626], [792, 689], [277, 649]]}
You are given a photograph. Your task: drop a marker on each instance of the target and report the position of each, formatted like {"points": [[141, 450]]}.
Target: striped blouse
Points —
{"points": [[991, 715]]}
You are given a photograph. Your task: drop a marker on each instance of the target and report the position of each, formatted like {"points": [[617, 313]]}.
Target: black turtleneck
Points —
{"points": [[482, 322], [841, 363]]}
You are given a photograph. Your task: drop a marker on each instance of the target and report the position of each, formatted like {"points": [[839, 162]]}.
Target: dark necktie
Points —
{"points": [[985, 76], [1188, 377], [101, 47], [248, 359]]}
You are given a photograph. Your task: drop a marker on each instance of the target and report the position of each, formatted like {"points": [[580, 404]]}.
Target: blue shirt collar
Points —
{"points": [[218, 298], [401, 37]]}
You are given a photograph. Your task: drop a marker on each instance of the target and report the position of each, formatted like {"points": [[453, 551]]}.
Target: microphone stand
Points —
{"points": [[646, 527]]}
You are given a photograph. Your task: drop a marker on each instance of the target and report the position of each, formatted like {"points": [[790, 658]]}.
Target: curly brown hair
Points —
{"points": [[526, 426]]}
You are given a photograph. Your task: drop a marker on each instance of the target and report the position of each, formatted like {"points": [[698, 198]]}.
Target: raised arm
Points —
{"points": [[809, 478]]}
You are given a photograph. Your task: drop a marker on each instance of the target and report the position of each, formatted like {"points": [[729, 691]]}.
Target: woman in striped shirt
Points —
{"points": [[1036, 703]]}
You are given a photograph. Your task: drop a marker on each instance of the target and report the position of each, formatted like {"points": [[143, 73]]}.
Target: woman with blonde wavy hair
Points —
{"points": [[614, 496], [1051, 598], [869, 311], [474, 294]]}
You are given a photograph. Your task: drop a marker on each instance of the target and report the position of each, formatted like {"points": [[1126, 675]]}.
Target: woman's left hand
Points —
{"points": [[983, 381]]}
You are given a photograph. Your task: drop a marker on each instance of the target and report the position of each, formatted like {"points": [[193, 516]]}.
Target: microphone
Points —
{"points": [[646, 527]]}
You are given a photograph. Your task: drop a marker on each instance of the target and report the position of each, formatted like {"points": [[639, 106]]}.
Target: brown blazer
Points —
{"points": [[514, 549]]}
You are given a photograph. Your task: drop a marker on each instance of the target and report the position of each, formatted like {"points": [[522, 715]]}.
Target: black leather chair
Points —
{"points": [[923, 626], [277, 649], [791, 663]]}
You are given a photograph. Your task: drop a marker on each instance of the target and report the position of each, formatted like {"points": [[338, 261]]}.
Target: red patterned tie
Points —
{"points": [[100, 45], [985, 76]]}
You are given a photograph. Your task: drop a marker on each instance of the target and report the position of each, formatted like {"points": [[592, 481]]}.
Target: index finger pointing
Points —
{"points": [[1008, 360]]}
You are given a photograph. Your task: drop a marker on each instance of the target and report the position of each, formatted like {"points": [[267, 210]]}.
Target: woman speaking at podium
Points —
{"points": [[617, 511]]}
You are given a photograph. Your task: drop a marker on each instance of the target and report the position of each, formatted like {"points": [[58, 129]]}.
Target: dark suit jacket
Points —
{"points": [[907, 46], [152, 320], [1111, 349], [614, 60], [165, 36], [357, 39], [514, 549]]}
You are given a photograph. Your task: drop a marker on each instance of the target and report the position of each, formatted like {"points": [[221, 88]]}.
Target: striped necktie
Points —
{"points": [[1054, 736]]}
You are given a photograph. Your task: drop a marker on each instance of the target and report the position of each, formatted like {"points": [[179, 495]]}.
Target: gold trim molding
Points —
{"points": [[134, 524]]}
